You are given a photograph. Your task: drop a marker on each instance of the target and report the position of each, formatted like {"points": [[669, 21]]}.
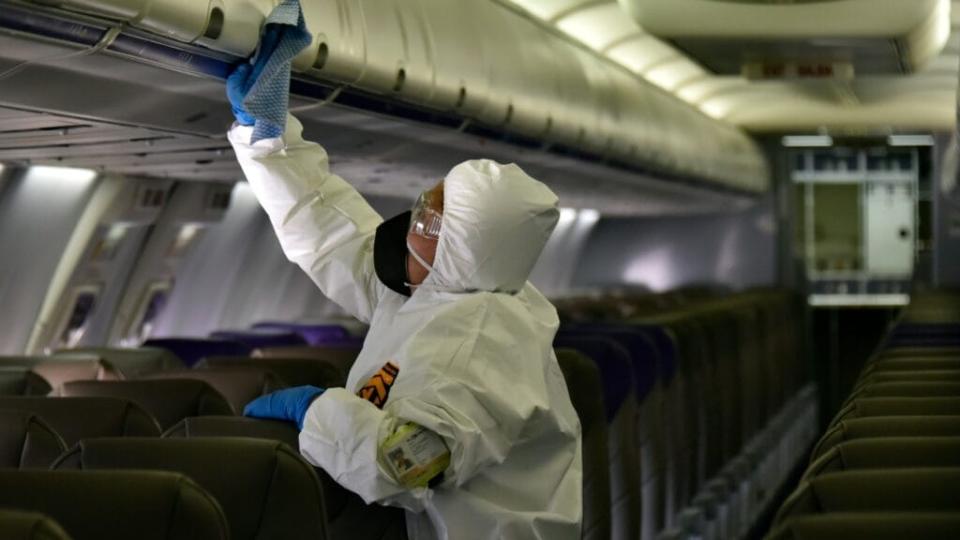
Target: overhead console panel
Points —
{"points": [[783, 39], [478, 65]]}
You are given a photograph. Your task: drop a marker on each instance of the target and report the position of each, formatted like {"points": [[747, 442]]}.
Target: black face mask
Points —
{"points": [[390, 253]]}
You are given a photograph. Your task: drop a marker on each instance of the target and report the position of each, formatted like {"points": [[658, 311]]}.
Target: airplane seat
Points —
{"points": [[22, 381], [60, 372], [887, 426], [926, 489], [887, 453], [343, 357], [167, 400], [915, 363], [92, 505], [75, 418], [27, 442], [898, 406], [347, 516], [258, 337], [239, 385], [22, 525], [56, 371], [919, 352], [131, 363], [265, 488], [236, 426], [313, 334], [869, 526], [929, 375], [625, 450], [192, 350], [292, 371], [907, 389], [586, 393]]}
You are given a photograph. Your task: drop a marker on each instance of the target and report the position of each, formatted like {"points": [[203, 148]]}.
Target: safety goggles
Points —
{"points": [[424, 220]]}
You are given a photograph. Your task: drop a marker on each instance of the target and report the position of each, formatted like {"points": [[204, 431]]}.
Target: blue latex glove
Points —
{"points": [[289, 404], [243, 77]]}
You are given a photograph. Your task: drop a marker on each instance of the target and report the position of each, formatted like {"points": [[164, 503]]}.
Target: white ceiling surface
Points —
{"points": [[925, 100]]}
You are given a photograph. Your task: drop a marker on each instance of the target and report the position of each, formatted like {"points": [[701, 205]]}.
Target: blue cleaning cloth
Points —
{"points": [[269, 96]]}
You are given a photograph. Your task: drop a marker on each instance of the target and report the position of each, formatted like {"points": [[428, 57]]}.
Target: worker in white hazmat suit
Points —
{"points": [[456, 409]]}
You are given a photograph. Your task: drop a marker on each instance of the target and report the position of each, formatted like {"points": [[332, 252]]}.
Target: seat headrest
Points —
{"points": [[129, 362], [293, 371], [75, 418], [26, 441], [61, 371], [888, 453], [927, 489], [21, 381], [265, 488], [583, 384], [613, 361], [342, 357], [167, 400], [879, 526], [117, 504], [239, 385], [23, 525], [236, 426]]}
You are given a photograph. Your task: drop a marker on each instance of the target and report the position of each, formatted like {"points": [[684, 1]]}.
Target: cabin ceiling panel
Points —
{"points": [[923, 99]]}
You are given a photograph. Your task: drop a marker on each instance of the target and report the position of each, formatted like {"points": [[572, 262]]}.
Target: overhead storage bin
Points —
{"points": [[482, 62]]}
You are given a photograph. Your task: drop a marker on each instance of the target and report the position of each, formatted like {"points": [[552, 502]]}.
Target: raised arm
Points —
{"points": [[323, 224]]}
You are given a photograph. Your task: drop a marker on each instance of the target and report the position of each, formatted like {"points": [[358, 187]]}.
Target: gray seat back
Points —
{"points": [[888, 453], [586, 394], [239, 385], [341, 357], [131, 363], [20, 525], [22, 381], [84, 417], [168, 401], [347, 516], [908, 389], [869, 526], [924, 375], [893, 490], [26, 441], [293, 371], [266, 490], [899, 406], [146, 505], [887, 426]]}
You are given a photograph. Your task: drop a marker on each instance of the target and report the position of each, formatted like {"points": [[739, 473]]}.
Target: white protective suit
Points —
{"points": [[473, 345]]}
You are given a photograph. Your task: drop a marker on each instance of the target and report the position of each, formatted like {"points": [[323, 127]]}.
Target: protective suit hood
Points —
{"points": [[496, 220]]}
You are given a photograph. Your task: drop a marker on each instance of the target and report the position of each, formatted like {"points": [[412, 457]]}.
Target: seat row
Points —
{"points": [[888, 465], [682, 407], [694, 396]]}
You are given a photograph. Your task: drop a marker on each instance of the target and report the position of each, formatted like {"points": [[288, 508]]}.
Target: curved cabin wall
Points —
{"points": [[480, 62]]}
